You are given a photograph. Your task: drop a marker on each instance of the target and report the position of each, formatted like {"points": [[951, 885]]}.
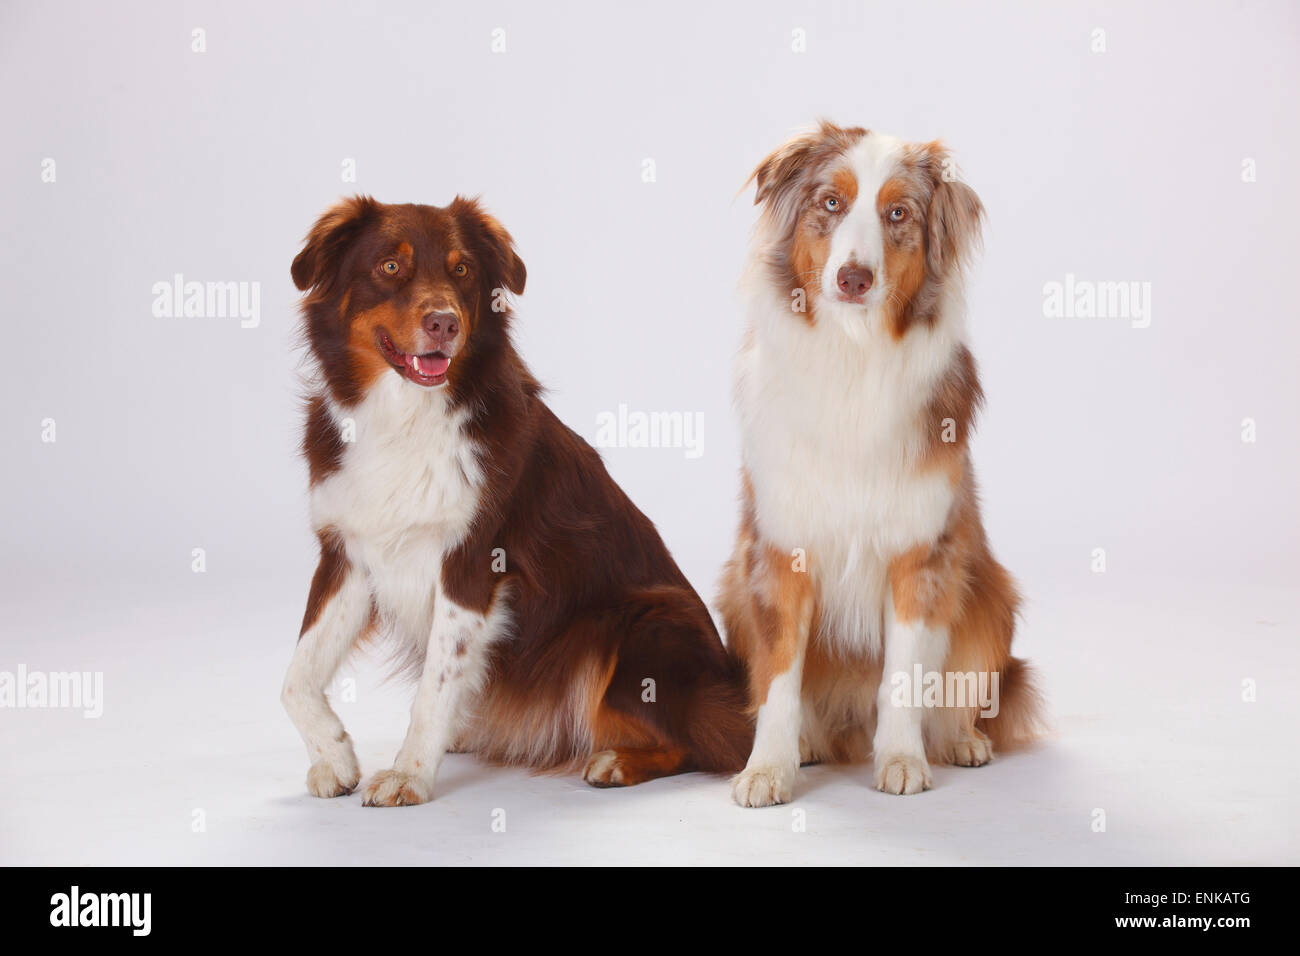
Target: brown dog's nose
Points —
{"points": [[854, 279], [441, 325]]}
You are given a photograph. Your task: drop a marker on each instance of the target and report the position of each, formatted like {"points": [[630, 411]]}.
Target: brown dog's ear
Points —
{"points": [[511, 268], [328, 240], [506, 268], [954, 217]]}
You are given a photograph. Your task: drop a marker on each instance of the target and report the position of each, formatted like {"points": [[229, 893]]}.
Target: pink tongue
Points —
{"points": [[430, 366]]}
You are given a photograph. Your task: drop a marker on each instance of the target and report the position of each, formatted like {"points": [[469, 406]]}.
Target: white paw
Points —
{"points": [[902, 773], [392, 788], [974, 751], [763, 786], [603, 770], [336, 772]]}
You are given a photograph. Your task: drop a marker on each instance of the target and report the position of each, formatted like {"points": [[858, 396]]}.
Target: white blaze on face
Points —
{"points": [[859, 237]]}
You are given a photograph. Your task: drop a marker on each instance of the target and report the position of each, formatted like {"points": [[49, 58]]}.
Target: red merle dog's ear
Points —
{"points": [[955, 215], [318, 263], [505, 268], [783, 178], [780, 170]]}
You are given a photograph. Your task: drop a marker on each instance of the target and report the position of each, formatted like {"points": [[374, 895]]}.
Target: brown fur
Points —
{"points": [[321, 444], [597, 603], [328, 577]]}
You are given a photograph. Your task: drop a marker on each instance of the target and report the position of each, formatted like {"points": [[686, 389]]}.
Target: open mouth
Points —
{"points": [[428, 369]]}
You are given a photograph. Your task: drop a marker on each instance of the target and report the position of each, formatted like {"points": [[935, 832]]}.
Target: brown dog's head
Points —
{"points": [[409, 290]]}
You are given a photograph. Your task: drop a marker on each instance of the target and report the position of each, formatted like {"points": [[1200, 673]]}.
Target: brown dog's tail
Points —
{"points": [[1020, 708]]}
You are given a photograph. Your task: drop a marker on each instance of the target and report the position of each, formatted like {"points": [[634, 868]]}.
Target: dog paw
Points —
{"points": [[763, 786], [336, 773], [603, 770], [973, 751], [392, 788], [902, 773]]}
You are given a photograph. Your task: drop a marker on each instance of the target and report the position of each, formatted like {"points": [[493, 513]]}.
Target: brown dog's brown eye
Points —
{"points": [[461, 269], [832, 204], [897, 214], [391, 267]]}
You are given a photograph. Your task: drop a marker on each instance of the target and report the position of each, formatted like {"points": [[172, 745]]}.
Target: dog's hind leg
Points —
{"points": [[674, 702], [628, 766]]}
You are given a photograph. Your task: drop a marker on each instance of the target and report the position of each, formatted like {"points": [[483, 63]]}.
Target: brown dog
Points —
{"points": [[545, 618]]}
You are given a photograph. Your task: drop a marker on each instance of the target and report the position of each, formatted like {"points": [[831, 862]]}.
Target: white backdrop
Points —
{"points": [[1154, 143]]}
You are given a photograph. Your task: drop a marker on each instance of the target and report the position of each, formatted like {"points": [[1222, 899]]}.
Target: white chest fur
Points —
{"points": [[831, 421], [405, 494]]}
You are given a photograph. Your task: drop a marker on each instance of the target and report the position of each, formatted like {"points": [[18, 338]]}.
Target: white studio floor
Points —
{"points": [[1146, 695]]}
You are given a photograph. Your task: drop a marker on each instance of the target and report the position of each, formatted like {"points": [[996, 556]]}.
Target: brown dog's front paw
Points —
{"points": [[336, 773]]}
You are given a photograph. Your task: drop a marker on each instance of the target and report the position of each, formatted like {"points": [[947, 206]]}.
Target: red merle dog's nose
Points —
{"points": [[854, 280], [442, 326]]}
